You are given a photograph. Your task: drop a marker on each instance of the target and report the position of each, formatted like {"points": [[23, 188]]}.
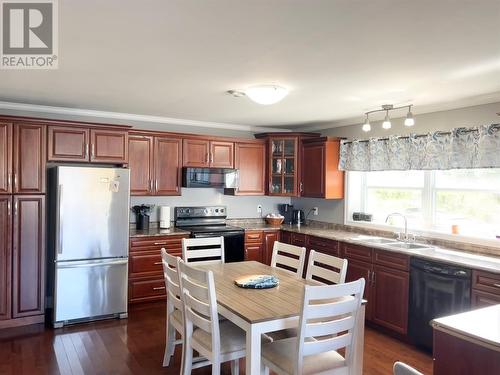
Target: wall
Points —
{"points": [[237, 207], [333, 210]]}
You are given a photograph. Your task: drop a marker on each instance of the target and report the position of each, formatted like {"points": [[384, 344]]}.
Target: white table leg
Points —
{"points": [[360, 343], [253, 351]]}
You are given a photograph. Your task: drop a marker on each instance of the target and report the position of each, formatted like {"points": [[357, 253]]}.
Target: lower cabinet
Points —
{"points": [[485, 289], [362, 270], [22, 260], [146, 282], [270, 237], [259, 245]]}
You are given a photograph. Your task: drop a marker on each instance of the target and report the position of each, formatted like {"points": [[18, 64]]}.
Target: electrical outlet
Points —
{"points": [[315, 211], [259, 208]]}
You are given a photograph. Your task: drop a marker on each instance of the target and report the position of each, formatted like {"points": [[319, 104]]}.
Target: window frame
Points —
{"points": [[429, 191]]}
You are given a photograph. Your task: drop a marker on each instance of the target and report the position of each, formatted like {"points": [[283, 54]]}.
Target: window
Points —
{"points": [[465, 202]]}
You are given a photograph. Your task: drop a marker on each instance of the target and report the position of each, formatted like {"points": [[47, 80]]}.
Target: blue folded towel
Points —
{"points": [[257, 281]]}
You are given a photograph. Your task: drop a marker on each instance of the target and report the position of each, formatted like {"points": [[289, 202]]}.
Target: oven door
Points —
{"points": [[234, 244]]}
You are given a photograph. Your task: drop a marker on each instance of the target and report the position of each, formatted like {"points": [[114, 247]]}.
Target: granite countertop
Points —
{"points": [[480, 326], [440, 254], [256, 226], [155, 231]]}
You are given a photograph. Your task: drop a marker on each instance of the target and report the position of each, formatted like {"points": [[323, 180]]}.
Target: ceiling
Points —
{"points": [[339, 58]]}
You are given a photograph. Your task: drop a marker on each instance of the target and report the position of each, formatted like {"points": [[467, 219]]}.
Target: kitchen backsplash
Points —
{"points": [[237, 207]]}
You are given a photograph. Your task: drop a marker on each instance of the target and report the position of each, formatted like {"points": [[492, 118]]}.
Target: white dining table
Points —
{"points": [[259, 311]]}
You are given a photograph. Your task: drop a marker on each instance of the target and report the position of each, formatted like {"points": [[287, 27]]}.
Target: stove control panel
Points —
{"points": [[194, 212]]}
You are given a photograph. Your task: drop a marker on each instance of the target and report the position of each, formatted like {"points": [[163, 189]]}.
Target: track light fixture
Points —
{"points": [[386, 124]]}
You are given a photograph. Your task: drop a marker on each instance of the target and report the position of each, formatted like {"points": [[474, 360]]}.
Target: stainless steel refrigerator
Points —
{"points": [[91, 232]]}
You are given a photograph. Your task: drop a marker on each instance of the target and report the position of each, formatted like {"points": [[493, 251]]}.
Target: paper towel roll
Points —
{"points": [[164, 217]]}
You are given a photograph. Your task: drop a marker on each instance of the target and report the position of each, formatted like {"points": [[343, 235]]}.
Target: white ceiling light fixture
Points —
{"points": [[386, 124], [262, 94]]}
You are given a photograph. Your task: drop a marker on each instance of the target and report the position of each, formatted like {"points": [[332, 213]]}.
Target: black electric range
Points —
{"points": [[210, 221]]}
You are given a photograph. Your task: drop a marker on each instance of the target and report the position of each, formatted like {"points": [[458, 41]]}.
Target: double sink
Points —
{"points": [[390, 243]]}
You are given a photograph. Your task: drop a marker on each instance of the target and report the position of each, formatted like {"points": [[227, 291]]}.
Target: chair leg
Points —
{"points": [[187, 360], [170, 343], [235, 367]]}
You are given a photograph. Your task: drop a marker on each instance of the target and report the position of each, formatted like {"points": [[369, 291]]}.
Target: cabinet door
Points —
{"points": [[28, 256], [250, 160], [68, 144], [29, 158], [5, 256], [167, 162], [269, 239], [221, 154], [313, 171], [283, 166], [196, 153], [140, 161], [5, 157], [391, 289], [484, 299], [253, 252], [108, 146], [357, 270], [286, 237]]}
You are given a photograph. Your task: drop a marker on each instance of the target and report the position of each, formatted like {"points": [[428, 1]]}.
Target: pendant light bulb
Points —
{"points": [[409, 120], [387, 121], [366, 126]]}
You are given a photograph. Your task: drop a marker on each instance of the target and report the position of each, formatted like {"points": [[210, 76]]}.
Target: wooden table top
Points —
{"points": [[258, 305]]}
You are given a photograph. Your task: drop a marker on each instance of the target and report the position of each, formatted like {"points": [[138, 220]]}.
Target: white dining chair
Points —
{"points": [[203, 250], [323, 267], [175, 315], [330, 316], [288, 257], [401, 368], [218, 342]]}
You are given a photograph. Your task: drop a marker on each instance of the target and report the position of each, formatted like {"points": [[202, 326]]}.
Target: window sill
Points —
{"points": [[427, 234]]}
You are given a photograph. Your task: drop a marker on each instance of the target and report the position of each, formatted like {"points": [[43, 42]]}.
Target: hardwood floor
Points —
{"points": [[135, 346]]}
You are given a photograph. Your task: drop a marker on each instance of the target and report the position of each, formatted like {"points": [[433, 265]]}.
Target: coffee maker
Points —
{"points": [[286, 210]]}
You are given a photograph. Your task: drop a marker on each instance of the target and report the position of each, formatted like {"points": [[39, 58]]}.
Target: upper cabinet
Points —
{"points": [[250, 160], [204, 153], [155, 164], [284, 157], [29, 158], [5, 158], [82, 144], [321, 178]]}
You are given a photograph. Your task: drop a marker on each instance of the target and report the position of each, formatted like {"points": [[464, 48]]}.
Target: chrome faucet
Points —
{"points": [[405, 237]]}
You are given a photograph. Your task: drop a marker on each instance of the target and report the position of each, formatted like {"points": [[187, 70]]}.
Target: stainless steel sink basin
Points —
{"points": [[374, 240], [409, 246]]}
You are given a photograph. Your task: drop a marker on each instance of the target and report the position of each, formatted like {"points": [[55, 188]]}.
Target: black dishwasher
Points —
{"points": [[436, 290]]}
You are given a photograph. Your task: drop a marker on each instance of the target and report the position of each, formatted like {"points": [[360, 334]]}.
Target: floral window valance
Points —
{"points": [[477, 147]]}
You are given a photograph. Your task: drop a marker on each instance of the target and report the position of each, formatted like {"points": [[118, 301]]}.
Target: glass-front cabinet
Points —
{"points": [[283, 174]]}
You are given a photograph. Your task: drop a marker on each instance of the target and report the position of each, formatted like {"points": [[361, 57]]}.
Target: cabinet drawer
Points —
{"points": [[484, 299], [143, 290], [392, 260], [486, 281], [145, 264], [155, 243], [323, 245], [254, 236], [357, 252], [298, 239]]}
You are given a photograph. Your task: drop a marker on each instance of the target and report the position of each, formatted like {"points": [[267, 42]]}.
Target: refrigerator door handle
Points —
{"points": [[59, 236], [87, 264]]}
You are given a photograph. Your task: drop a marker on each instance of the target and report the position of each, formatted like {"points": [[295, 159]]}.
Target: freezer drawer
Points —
{"points": [[90, 289]]}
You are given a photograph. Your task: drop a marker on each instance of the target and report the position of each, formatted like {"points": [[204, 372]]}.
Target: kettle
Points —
{"points": [[298, 217]]}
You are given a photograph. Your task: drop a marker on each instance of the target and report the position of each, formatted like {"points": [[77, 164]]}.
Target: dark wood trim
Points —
{"points": [[19, 322], [6, 158], [5, 257]]}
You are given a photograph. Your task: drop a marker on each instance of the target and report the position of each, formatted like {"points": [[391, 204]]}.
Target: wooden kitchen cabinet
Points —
{"points": [[321, 178], [5, 158], [270, 237], [356, 270], [5, 256], [28, 265], [108, 146], [141, 161], [205, 153], [29, 158], [485, 288], [259, 245], [68, 143], [155, 164], [250, 161]]}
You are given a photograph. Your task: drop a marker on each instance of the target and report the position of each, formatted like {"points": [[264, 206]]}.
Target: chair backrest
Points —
{"points": [[401, 368], [323, 267], [205, 250], [171, 276], [329, 316], [288, 257], [200, 303]]}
